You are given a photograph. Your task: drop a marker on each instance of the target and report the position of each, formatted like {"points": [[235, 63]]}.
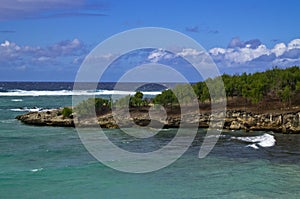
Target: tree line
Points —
{"points": [[277, 83], [273, 83]]}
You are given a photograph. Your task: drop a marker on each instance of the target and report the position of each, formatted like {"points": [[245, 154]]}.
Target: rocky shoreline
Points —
{"points": [[288, 122]]}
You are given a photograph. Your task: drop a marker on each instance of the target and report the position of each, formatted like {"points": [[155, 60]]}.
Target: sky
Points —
{"points": [[47, 40]]}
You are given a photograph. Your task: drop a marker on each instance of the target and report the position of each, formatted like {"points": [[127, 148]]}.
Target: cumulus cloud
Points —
{"points": [[279, 49], [14, 55], [158, 55], [253, 52], [18, 9], [70, 53]]}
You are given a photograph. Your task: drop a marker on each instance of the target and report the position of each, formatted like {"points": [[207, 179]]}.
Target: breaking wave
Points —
{"points": [[34, 109], [265, 140], [71, 92]]}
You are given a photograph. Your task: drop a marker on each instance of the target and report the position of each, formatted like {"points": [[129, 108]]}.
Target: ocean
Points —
{"points": [[51, 162]]}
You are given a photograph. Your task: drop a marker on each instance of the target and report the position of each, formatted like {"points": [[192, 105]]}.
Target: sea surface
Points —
{"points": [[51, 162]]}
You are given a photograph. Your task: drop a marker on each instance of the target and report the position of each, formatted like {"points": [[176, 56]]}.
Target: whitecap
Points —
{"points": [[16, 100], [254, 146], [36, 170], [265, 140], [164, 129], [216, 136], [25, 109]]}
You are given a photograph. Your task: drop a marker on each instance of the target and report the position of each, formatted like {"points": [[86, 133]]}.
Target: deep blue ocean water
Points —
{"points": [[51, 162]]}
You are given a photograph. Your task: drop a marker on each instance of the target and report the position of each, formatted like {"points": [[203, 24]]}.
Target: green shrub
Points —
{"points": [[91, 106], [66, 112]]}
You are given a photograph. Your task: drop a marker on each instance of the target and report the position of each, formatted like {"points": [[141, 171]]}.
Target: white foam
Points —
{"points": [[19, 93], [254, 146], [36, 170], [265, 140], [216, 136], [16, 100], [25, 109]]}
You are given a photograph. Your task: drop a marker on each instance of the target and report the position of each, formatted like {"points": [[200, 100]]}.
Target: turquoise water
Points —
{"points": [[51, 162]]}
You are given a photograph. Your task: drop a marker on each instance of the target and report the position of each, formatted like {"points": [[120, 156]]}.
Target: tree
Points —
{"points": [[137, 99], [298, 86], [139, 95], [92, 106], [286, 95], [123, 102], [166, 98], [184, 93], [67, 112]]}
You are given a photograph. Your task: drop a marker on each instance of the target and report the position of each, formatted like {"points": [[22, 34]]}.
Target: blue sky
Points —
{"points": [[46, 40]]}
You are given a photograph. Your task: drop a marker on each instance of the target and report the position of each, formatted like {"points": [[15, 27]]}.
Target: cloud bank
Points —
{"points": [[63, 53], [243, 56], [253, 53], [65, 56]]}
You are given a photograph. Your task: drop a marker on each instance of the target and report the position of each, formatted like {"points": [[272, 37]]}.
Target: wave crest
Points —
{"points": [[71, 92], [265, 140]]}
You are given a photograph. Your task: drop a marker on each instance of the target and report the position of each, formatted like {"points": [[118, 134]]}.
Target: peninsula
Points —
{"points": [[261, 101]]}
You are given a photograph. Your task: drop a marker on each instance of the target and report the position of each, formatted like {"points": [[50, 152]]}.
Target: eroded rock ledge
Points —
{"points": [[288, 122]]}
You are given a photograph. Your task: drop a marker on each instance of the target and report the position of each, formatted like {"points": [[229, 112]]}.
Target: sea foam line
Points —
{"points": [[71, 92], [35, 109]]}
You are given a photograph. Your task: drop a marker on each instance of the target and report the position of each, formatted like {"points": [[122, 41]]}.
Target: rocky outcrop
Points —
{"points": [[284, 122], [234, 120], [47, 118]]}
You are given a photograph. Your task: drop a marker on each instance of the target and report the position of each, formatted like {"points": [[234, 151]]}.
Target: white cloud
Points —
{"points": [[13, 55], [156, 55], [247, 53], [160, 54], [217, 51], [72, 53], [189, 52], [279, 49], [294, 44], [66, 47], [5, 44]]}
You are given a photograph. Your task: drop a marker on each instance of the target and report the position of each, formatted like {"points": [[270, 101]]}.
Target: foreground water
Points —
{"points": [[51, 162]]}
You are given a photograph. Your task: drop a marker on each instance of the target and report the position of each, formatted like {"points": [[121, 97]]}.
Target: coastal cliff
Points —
{"points": [[288, 122]]}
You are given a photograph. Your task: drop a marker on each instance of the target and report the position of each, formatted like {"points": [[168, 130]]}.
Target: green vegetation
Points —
{"points": [[100, 106], [275, 83], [167, 97], [133, 101], [67, 112], [92, 106], [278, 84], [138, 100]]}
